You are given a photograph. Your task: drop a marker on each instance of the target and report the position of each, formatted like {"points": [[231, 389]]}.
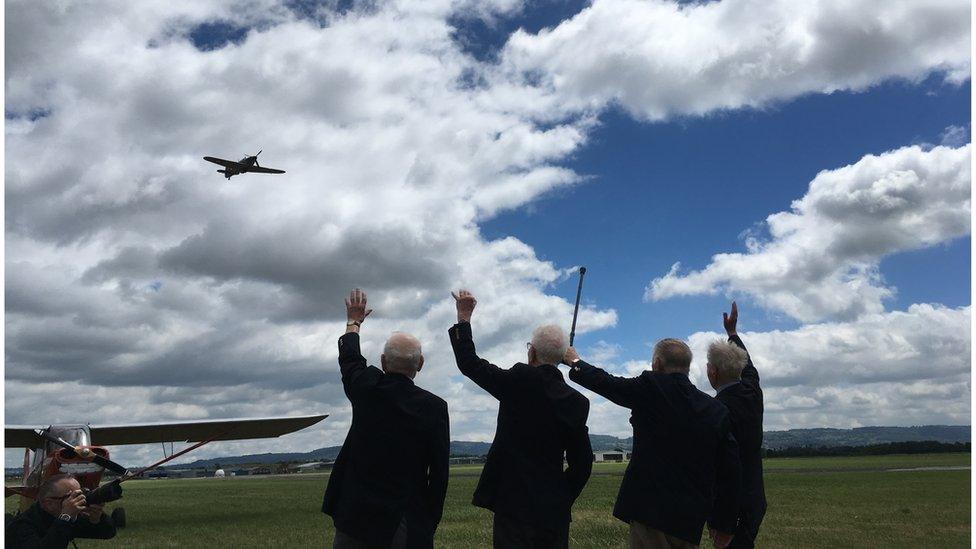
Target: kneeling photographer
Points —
{"points": [[59, 515]]}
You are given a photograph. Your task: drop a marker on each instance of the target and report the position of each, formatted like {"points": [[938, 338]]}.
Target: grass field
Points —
{"points": [[813, 502]]}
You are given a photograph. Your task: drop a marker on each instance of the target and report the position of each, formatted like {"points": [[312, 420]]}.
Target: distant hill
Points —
{"points": [[794, 438], [776, 440], [863, 436], [458, 448], [859, 436]]}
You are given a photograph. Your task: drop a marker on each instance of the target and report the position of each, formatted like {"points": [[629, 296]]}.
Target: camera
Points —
{"points": [[105, 493]]}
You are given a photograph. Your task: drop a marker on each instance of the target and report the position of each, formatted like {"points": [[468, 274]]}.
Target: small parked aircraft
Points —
{"points": [[248, 164], [80, 449]]}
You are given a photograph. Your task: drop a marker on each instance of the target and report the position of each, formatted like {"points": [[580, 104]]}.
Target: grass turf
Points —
{"points": [[813, 502]]}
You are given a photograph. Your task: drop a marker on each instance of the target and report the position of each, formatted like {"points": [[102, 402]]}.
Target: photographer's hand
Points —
{"points": [[94, 513], [73, 505]]}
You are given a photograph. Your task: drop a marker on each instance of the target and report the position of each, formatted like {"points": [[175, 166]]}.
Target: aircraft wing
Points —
{"points": [[23, 436], [195, 431], [224, 163], [259, 169]]}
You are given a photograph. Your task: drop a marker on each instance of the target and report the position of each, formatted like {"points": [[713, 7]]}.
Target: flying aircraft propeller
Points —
{"points": [[248, 164]]}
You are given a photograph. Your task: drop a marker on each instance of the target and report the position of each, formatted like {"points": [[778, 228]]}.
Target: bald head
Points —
{"points": [[549, 344], [671, 356], [402, 355]]}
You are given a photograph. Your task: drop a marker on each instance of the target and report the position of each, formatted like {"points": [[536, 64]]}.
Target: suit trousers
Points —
{"points": [[343, 540], [645, 537], [745, 535], [510, 533]]}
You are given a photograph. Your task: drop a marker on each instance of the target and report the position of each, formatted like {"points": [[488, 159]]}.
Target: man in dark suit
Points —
{"points": [[389, 481], [540, 420], [684, 469], [59, 515], [736, 382]]}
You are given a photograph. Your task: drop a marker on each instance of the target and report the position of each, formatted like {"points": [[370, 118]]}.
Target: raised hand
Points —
{"points": [[730, 319], [466, 303], [570, 357], [356, 310]]}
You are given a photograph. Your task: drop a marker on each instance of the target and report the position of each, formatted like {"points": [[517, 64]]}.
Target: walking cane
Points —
{"points": [[579, 290]]}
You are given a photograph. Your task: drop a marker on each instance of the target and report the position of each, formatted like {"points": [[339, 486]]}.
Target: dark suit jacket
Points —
{"points": [[684, 469], [35, 528], [540, 419], [745, 403], [394, 462]]}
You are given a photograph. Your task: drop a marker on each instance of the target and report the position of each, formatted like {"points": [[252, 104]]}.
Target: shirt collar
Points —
{"points": [[726, 386], [549, 368], [401, 377]]}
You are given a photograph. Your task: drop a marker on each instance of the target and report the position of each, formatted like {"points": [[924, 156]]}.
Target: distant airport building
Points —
{"points": [[181, 473], [309, 467], [467, 460], [615, 456]]}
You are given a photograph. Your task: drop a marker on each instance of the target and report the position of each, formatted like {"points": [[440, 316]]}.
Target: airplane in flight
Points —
{"points": [[248, 164], [79, 449]]}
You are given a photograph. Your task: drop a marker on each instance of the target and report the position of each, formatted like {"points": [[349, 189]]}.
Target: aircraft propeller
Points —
{"points": [[83, 452]]}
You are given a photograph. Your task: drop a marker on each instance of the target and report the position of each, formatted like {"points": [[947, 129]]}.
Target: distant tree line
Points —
{"points": [[910, 447]]}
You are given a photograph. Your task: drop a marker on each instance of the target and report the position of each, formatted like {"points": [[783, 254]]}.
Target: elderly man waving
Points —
{"points": [[685, 465], [736, 382], [388, 485], [540, 420]]}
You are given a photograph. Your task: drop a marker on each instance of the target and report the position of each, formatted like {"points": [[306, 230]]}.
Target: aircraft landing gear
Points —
{"points": [[118, 517]]}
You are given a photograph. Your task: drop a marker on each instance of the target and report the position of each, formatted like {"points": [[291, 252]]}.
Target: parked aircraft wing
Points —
{"points": [[225, 163], [22, 436], [194, 431], [259, 169]]}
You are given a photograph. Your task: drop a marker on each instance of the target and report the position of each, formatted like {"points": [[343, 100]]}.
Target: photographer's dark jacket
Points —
{"points": [[540, 419], [36, 529], [685, 468], [745, 403], [393, 464]]}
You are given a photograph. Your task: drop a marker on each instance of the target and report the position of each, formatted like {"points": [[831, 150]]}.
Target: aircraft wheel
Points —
{"points": [[118, 517]]}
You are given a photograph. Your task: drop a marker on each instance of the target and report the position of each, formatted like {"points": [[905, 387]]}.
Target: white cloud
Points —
{"points": [[144, 283], [895, 368], [954, 136], [142, 286], [925, 342], [658, 59], [821, 259], [882, 369]]}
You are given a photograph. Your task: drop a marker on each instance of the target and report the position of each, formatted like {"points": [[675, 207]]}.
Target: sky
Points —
{"points": [[810, 160]]}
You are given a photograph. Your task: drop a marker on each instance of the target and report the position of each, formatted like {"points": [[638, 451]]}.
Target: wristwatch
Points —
{"points": [[65, 517], [353, 323]]}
